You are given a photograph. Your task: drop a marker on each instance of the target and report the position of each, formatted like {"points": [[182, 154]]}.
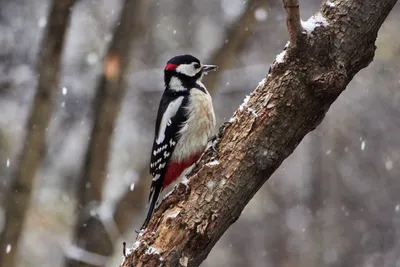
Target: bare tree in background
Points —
{"points": [[20, 190], [234, 42], [90, 232], [301, 86]]}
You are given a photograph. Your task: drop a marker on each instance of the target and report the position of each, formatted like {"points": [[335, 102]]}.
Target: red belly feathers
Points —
{"points": [[175, 169]]}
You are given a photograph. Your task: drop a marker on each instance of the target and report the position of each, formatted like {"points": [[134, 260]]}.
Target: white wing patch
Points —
{"points": [[169, 113]]}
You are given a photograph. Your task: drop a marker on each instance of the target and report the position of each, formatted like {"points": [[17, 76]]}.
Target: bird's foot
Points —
{"points": [[214, 140]]}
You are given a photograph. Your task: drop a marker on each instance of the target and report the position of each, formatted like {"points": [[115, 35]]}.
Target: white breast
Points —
{"points": [[199, 127]]}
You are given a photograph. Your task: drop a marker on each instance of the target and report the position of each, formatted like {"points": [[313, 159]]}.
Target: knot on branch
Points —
{"points": [[266, 158]]}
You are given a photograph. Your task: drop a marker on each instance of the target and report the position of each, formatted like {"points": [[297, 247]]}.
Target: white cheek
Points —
{"points": [[187, 69]]}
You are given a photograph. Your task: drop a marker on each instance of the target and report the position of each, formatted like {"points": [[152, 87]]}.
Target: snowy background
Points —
{"points": [[334, 202]]}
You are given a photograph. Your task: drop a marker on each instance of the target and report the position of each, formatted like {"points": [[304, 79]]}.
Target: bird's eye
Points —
{"points": [[197, 65]]}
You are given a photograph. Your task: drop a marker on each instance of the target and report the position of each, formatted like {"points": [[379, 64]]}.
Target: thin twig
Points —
{"points": [[293, 21]]}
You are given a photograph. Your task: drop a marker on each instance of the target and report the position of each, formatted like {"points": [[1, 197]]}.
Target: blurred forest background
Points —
{"points": [[85, 137]]}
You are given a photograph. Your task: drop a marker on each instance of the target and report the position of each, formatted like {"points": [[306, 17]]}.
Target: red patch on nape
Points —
{"points": [[175, 169], [170, 66]]}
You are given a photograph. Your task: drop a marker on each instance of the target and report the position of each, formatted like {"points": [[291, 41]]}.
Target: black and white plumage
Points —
{"points": [[185, 122]]}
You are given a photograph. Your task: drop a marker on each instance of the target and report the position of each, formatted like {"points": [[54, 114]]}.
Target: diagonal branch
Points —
{"points": [[287, 105], [49, 67]]}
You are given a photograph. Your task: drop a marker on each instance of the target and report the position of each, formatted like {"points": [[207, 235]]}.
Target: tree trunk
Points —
{"points": [[21, 187], [89, 233], [289, 103]]}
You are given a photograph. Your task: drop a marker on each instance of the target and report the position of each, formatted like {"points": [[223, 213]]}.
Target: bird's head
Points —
{"points": [[184, 71]]}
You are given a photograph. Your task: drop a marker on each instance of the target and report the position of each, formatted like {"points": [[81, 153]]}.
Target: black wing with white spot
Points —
{"points": [[170, 119]]}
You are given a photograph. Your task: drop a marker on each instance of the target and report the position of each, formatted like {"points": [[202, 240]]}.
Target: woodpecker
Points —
{"points": [[185, 121]]}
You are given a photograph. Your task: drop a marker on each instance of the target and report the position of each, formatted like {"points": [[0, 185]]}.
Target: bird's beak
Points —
{"points": [[208, 68]]}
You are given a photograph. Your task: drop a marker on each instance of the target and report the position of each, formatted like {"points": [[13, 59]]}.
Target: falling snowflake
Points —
{"points": [[92, 58], [389, 164], [260, 14], [362, 145], [42, 22]]}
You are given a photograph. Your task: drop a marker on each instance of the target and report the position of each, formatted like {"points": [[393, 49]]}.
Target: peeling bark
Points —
{"points": [[18, 198], [287, 105]]}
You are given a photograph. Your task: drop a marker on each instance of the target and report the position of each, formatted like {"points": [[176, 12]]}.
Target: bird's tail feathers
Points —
{"points": [[153, 198]]}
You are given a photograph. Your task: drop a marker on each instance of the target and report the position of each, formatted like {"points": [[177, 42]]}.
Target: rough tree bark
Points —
{"points": [[34, 144], [89, 233], [289, 103]]}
